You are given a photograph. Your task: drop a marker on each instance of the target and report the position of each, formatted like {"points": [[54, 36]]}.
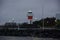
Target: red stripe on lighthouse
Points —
{"points": [[30, 17]]}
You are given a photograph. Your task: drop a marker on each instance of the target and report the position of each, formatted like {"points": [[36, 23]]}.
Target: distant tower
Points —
{"points": [[30, 16]]}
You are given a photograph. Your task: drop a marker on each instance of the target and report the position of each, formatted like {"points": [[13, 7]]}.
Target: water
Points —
{"points": [[24, 38]]}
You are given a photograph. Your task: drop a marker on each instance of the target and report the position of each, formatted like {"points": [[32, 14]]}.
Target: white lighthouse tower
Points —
{"points": [[30, 16]]}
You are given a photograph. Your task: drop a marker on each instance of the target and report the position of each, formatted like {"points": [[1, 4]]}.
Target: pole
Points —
{"points": [[18, 26], [43, 15], [30, 21]]}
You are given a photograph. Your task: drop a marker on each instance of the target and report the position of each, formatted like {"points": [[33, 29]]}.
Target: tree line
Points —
{"points": [[48, 22]]}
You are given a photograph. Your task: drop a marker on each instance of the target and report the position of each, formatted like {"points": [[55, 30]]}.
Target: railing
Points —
{"points": [[30, 28]]}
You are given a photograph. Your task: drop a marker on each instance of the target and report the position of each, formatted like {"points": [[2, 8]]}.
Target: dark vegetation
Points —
{"points": [[32, 33], [48, 23]]}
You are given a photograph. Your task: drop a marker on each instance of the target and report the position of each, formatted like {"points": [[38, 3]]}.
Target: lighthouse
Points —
{"points": [[30, 16]]}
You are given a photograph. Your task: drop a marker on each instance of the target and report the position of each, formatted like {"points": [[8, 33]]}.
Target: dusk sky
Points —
{"points": [[18, 9]]}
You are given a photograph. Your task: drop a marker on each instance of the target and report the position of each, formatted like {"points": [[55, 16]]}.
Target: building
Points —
{"points": [[58, 16]]}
